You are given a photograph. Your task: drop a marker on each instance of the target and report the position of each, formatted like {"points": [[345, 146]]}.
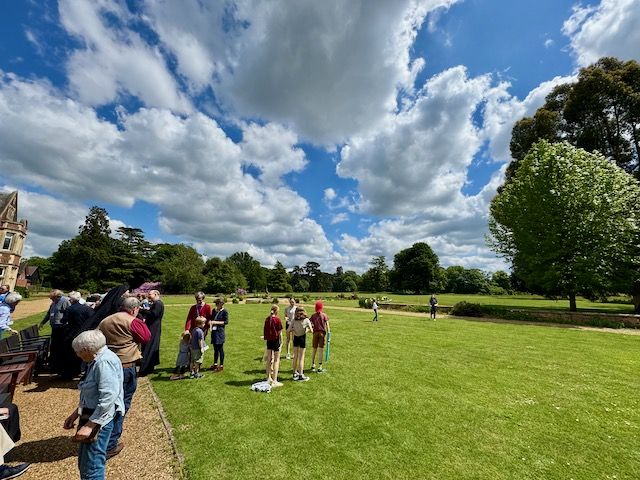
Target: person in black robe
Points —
{"points": [[110, 304], [153, 319], [74, 318]]}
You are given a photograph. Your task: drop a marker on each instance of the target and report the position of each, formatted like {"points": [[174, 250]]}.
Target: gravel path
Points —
{"points": [[43, 407]]}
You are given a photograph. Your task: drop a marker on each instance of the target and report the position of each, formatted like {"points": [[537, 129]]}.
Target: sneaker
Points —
{"points": [[7, 471], [296, 376], [288, 356], [320, 370], [219, 369], [198, 375], [213, 367], [313, 368], [114, 451], [303, 378], [276, 384]]}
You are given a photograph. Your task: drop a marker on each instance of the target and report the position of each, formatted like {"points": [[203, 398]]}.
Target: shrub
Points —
{"points": [[305, 298], [275, 300], [235, 300], [496, 290], [466, 309], [23, 291]]}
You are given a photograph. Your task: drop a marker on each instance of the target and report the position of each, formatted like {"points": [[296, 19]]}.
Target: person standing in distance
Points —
{"points": [[374, 307]]}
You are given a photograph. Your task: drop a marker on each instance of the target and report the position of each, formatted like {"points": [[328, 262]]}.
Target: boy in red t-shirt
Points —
{"points": [[320, 324], [272, 329]]}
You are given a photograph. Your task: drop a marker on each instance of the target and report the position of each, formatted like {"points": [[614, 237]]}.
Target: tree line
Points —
{"points": [[94, 261]]}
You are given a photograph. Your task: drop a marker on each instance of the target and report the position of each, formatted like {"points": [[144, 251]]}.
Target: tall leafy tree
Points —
{"points": [[599, 112], [414, 269], [251, 269], [223, 276], [83, 261], [180, 268], [278, 279], [566, 220]]}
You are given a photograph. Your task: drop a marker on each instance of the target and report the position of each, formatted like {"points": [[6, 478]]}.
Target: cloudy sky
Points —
{"points": [[332, 131]]}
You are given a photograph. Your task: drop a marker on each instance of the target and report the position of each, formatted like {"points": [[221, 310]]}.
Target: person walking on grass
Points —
{"points": [[320, 324], [375, 310], [218, 324], [290, 315], [272, 334], [197, 347], [300, 326], [433, 301]]}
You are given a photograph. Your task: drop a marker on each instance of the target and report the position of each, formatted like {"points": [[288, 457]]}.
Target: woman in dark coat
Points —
{"points": [[153, 319], [73, 319]]}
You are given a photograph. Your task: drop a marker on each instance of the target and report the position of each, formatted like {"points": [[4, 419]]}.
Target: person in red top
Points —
{"points": [[200, 309], [272, 329], [320, 323]]}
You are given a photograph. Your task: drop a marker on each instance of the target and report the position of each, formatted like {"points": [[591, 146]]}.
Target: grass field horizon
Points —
{"points": [[410, 398]]}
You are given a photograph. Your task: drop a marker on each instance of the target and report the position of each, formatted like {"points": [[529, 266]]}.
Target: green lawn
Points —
{"points": [[410, 398]]}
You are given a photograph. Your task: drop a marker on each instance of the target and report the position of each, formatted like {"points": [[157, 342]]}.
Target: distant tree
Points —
{"points": [[180, 268], [414, 269], [376, 279], [599, 112], [345, 281], [501, 279], [567, 220], [222, 276], [83, 261], [467, 280], [251, 269], [278, 279]]}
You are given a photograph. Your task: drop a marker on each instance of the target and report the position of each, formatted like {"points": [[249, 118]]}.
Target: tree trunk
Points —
{"points": [[636, 302], [572, 303]]}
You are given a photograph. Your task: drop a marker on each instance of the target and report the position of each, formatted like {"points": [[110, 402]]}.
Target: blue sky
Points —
{"points": [[327, 131]]}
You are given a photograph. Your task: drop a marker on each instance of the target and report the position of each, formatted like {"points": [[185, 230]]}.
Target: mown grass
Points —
{"points": [[409, 398]]}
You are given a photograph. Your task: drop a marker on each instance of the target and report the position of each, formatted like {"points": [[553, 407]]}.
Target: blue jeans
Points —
{"points": [[92, 457], [129, 383]]}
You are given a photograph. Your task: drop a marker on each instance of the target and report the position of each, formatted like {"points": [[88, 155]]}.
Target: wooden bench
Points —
{"points": [[23, 360]]}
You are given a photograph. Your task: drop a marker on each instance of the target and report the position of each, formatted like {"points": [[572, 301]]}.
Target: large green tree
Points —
{"points": [[180, 268], [223, 276], [84, 261], [599, 112], [567, 220], [278, 279], [414, 269], [376, 279], [251, 269]]}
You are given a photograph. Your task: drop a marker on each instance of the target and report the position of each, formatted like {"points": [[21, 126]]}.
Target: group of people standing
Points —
{"points": [[202, 319]]}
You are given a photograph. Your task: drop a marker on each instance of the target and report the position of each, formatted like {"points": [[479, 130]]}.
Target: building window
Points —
{"points": [[2, 274], [8, 241]]}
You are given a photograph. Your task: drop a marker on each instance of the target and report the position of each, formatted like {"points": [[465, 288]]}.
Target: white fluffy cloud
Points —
{"points": [[328, 69], [187, 166], [609, 29], [115, 62]]}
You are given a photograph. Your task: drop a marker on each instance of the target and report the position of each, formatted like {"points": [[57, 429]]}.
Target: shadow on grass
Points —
{"points": [[44, 451], [241, 383]]}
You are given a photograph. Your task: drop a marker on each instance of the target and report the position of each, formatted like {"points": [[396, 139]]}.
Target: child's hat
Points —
{"points": [[318, 306]]}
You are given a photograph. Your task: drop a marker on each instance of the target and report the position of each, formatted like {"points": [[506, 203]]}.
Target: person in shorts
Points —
{"points": [[197, 347], [272, 334], [289, 314], [300, 326], [320, 324]]}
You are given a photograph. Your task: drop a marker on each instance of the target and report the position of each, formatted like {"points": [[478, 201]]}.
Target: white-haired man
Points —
{"points": [[125, 332]]}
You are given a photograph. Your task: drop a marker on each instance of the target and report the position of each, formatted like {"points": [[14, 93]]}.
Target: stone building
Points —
{"points": [[12, 236]]}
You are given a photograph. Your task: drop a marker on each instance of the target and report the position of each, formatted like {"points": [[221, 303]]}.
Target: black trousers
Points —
{"points": [[12, 424]]}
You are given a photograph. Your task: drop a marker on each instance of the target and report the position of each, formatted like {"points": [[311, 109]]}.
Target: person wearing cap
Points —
{"points": [[320, 323], [218, 323]]}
